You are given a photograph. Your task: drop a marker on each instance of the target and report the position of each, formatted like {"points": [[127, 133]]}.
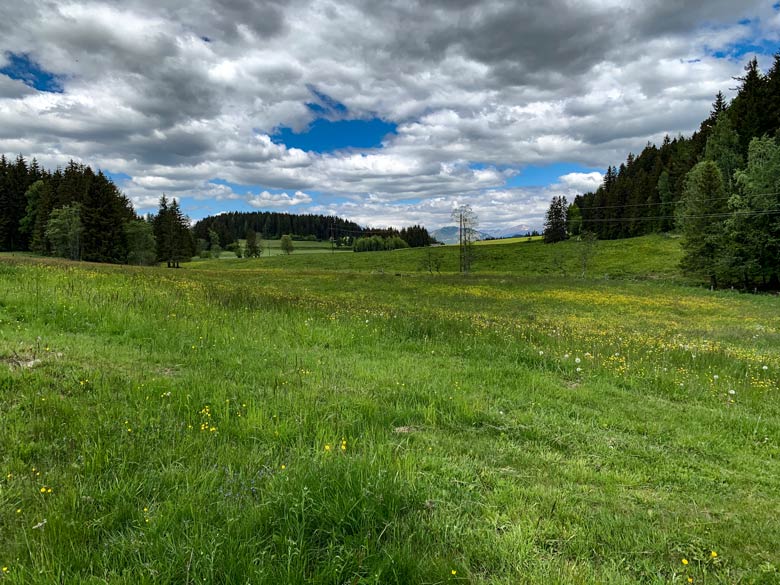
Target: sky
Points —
{"points": [[386, 113]]}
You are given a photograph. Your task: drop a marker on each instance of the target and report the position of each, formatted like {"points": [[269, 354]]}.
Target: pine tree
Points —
{"points": [[748, 109], [573, 220], [162, 225], [171, 230], [665, 197], [701, 220], [14, 182], [757, 227], [555, 221], [104, 213], [723, 149], [773, 97]]}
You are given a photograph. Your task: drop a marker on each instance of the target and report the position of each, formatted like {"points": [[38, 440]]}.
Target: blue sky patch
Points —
{"points": [[543, 175], [117, 178], [325, 135], [739, 50], [22, 67]]}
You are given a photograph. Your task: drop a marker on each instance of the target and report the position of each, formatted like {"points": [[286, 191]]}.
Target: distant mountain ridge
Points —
{"points": [[449, 234]]}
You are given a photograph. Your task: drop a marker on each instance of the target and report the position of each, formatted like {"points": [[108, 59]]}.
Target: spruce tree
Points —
{"points": [[555, 221], [723, 149], [701, 219], [104, 213], [748, 112], [757, 224]]}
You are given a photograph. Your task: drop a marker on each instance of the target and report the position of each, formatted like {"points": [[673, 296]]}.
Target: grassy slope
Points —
{"points": [[472, 442], [645, 257]]}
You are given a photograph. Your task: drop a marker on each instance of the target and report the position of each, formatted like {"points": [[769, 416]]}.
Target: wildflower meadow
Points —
{"points": [[261, 421]]}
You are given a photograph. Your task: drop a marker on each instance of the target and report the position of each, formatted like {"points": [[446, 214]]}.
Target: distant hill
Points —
{"points": [[512, 232], [449, 234]]}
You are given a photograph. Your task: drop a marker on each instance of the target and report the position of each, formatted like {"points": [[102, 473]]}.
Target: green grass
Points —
{"points": [[646, 257], [272, 248], [513, 429], [504, 241]]}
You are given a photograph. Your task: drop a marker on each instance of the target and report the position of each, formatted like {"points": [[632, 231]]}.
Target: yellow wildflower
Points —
{"points": [[685, 561], [713, 554]]}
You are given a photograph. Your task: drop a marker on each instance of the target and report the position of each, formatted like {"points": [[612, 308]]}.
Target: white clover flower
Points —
{"points": [[579, 369], [715, 377], [765, 368], [732, 392]]}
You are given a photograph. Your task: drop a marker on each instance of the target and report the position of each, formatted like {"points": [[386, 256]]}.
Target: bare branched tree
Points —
{"points": [[467, 232]]}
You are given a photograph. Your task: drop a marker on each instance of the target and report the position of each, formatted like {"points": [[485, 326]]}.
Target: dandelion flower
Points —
{"points": [[690, 579], [454, 572], [327, 446], [5, 569], [43, 490], [284, 466], [685, 561], [713, 554], [577, 360]]}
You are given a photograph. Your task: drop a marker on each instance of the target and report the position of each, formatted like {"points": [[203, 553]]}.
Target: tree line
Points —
{"points": [[719, 187], [79, 214], [269, 225]]}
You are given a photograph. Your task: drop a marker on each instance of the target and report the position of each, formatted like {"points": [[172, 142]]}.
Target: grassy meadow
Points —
{"points": [[353, 419], [648, 257]]}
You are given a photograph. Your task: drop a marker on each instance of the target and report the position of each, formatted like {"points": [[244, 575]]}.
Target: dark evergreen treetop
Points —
{"points": [[555, 221], [272, 225]]}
